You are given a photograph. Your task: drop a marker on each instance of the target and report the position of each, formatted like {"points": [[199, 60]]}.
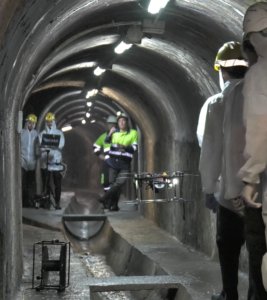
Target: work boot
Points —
{"points": [[222, 296], [104, 203], [114, 208], [57, 206]]}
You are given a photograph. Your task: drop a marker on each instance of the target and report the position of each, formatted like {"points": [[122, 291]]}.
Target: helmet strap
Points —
{"points": [[221, 80]]}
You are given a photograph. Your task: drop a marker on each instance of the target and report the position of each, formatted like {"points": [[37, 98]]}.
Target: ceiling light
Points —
{"points": [[89, 104], [66, 128], [122, 47], [156, 5], [92, 121], [83, 121], [118, 113], [87, 115], [98, 71], [91, 93]]}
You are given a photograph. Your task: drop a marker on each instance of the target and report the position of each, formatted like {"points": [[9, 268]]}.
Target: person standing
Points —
{"points": [[124, 143], [254, 170], [51, 157], [101, 149], [28, 142], [221, 137]]}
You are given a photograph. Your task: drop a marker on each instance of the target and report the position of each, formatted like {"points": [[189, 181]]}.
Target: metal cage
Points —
{"points": [[51, 259]]}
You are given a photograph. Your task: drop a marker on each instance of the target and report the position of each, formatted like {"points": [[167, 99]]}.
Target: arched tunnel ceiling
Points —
{"points": [[167, 76]]}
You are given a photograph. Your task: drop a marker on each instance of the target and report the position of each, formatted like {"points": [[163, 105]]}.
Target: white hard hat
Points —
{"points": [[122, 115], [255, 18], [111, 119]]}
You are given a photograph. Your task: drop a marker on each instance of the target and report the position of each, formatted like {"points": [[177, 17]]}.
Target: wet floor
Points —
{"points": [[197, 273]]}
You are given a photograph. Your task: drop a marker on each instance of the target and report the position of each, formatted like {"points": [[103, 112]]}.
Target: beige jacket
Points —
{"points": [[222, 146]]}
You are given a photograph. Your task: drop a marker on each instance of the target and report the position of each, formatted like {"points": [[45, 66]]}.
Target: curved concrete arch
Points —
{"points": [[71, 95], [40, 27]]}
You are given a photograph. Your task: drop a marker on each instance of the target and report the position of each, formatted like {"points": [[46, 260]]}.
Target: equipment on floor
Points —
{"points": [[45, 200], [51, 259]]}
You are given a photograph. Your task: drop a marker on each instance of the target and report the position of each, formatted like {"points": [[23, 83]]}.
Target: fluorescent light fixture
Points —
{"points": [[156, 5], [92, 121], [122, 47], [91, 93], [98, 71], [87, 115], [83, 121], [89, 104], [66, 128]]}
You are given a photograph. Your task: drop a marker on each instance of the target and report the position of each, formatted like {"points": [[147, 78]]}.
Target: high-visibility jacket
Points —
{"points": [[100, 145], [123, 144]]}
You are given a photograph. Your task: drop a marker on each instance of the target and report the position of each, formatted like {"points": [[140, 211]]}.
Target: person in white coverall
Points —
{"points": [[253, 172], [52, 165], [221, 137], [28, 143]]}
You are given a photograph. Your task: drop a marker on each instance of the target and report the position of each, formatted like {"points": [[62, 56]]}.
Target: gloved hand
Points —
{"points": [[249, 195], [211, 202]]}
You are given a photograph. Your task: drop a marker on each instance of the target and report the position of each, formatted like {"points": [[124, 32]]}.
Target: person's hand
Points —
{"points": [[238, 205], [112, 130], [249, 195], [211, 202], [102, 156]]}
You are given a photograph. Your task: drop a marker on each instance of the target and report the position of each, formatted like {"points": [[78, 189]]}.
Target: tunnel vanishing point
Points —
{"points": [[49, 51]]}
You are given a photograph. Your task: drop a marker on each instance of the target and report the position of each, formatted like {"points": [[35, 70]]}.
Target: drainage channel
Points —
{"points": [[106, 285], [98, 268], [95, 264]]}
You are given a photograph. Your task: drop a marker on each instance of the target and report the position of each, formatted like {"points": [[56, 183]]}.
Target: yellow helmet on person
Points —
{"points": [[229, 55], [50, 117], [32, 118]]}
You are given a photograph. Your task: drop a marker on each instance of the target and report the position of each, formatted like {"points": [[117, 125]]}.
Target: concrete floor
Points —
{"points": [[196, 272]]}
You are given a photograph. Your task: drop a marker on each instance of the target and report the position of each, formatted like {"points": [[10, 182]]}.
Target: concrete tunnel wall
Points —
{"points": [[165, 81]]}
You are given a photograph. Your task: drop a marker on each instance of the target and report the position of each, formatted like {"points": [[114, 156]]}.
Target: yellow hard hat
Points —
{"points": [[31, 118], [50, 117], [229, 55]]}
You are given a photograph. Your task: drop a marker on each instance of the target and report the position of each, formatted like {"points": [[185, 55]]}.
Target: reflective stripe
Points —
{"points": [[96, 150], [119, 153], [232, 63], [134, 147], [106, 149], [107, 156], [106, 188]]}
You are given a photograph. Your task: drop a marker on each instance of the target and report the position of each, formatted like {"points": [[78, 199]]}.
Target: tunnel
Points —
{"points": [[49, 52]]}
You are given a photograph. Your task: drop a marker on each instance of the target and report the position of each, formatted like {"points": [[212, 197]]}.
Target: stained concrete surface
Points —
{"points": [[198, 274]]}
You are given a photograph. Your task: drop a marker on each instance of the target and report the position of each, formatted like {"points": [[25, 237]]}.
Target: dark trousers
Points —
{"points": [[105, 176], [28, 187], [117, 178], [229, 238], [256, 246], [46, 180]]}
